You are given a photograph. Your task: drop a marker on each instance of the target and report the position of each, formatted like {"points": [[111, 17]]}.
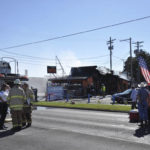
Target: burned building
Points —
{"points": [[113, 82], [84, 78]]}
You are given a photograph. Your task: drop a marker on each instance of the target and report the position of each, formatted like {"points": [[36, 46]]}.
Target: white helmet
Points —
{"points": [[142, 84], [17, 81]]}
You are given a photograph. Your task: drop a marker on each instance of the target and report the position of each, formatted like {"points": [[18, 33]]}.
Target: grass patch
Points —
{"points": [[121, 108]]}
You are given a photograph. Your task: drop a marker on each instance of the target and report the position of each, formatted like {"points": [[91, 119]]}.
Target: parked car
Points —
{"points": [[123, 97]]}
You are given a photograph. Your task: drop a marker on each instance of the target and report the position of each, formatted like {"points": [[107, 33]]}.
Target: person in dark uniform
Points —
{"points": [[148, 101], [143, 104]]}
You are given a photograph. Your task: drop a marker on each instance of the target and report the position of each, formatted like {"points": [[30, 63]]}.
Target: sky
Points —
{"points": [[25, 21]]}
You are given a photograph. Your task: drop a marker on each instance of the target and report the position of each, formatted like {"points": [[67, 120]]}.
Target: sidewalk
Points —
{"points": [[93, 100], [8, 117]]}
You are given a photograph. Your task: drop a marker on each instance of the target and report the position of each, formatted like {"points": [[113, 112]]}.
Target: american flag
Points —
{"points": [[144, 69]]}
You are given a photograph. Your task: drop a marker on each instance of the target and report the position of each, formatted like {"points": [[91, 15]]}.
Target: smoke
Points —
{"points": [[68, 59]]}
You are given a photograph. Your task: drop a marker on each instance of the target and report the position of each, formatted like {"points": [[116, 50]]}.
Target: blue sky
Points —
{"points": [[24, 21]]}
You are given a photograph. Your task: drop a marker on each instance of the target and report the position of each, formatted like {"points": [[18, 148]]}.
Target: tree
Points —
{"points": [[137, 76]]}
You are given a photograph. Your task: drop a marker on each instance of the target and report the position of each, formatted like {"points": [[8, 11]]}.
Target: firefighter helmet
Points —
{"points": [[17, 81]]}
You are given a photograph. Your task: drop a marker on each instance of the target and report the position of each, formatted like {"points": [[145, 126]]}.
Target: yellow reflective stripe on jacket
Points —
{"points": [[17, 96], [26, 106], [16, 106], [31, 96], [14, 109], [103, 88], [8, 98]]}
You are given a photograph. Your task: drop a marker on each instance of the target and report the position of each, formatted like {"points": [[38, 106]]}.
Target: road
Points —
{"points": [[69, 129]]}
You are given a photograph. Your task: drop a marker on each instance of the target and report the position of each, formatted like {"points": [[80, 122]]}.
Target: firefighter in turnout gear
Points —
{"points": [[27, 109], [16, 99]]}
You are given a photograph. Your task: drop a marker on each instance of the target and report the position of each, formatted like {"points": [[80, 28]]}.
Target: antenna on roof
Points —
{"points": [[61, 67]]}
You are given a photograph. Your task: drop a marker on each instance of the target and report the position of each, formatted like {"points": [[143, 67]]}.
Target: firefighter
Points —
{"points": [[16, 99], [103, 90], [27, 109]]}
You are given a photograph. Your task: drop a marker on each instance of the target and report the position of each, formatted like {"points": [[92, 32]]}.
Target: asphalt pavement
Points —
{"points": [[68, 129]]}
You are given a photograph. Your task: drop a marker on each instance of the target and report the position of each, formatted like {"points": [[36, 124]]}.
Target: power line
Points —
{"points": [[92, 57], [73, 34], [31, 57], [34, 62], [26, 63], [118, 58], [43, 58], [123, 57], [86, 58], [47, 59]]}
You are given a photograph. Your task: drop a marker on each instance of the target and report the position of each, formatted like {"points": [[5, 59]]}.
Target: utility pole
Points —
{"points": [[138, 45], [110, 47], [131, 66], [136, 52]]}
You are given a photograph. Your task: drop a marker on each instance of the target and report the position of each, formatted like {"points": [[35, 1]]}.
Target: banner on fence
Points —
{"points": [[55, 93]]}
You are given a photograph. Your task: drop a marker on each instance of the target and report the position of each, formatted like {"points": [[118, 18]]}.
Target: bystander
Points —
{"points": [[133, 97], [142, 97]]}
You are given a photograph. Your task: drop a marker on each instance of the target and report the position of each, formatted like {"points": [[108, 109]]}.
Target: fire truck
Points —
{"points": [[6, 76]]}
